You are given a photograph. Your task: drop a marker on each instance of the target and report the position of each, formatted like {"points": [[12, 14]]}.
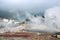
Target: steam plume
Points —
{"points": [[52, 18]]}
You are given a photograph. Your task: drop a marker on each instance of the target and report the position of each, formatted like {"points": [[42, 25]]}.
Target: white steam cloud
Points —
{"points": [[52, 18], [51, 22], [35, 19]]}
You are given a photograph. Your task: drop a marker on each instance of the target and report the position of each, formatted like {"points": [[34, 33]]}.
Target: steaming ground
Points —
{"points": [[48, 24], [34, 23]]}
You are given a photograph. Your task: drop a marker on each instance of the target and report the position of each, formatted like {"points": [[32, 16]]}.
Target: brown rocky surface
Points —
{"points": [[28, 36]]}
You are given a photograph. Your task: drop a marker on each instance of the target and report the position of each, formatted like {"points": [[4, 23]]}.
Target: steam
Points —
{"points": [[7, 25], [36, 24], [35, 19], [52, 18], [12, 25], [51, 22]]}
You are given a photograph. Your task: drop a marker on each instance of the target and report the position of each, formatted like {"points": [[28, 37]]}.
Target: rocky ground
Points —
{"points": [[44, 36]]}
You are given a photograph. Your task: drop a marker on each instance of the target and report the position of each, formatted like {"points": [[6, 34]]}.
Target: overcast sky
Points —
{"points": [[32, 6], [28, 4]]}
